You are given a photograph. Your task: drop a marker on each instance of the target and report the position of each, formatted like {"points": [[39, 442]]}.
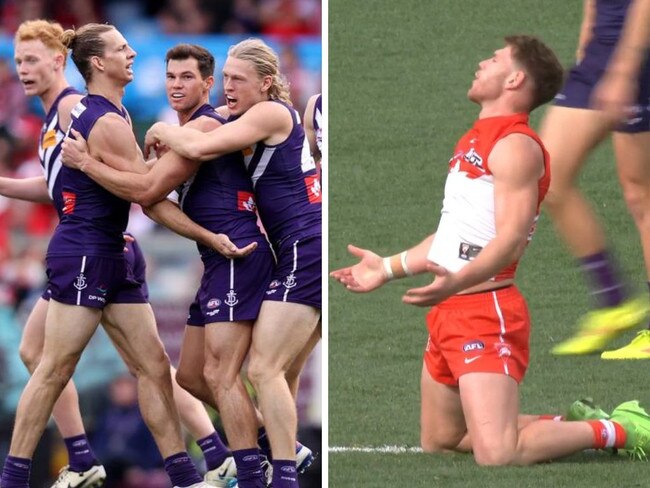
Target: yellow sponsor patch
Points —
{"points": [[49, 139], [248, 151]]}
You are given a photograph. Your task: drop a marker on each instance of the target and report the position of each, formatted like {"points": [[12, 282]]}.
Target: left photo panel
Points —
{"points": [[161, 244]]}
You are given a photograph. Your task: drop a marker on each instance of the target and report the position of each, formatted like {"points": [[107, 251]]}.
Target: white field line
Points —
{"points": [[376, 449]]}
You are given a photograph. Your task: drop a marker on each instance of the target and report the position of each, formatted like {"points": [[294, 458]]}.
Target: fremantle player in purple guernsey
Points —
{"points": [[89, 276], [613, 48], [288, 194]]}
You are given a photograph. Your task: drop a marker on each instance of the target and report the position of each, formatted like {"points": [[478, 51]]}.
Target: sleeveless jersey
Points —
{"points": [[318, 122], [467, 223], [286, 184], [49, 150], [93, 219], [219, 196], [610, 16]]}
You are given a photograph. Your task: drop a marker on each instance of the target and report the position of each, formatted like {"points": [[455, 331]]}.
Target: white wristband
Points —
{"points": [[388, 269], [402, 258]]}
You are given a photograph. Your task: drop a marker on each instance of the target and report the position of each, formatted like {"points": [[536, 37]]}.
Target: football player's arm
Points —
{"points": [[372, 271], [168, 214], [32, 189], [262, 122], [123, 172], [310, 130], [586, 28], [517, 164], [617, 89]]}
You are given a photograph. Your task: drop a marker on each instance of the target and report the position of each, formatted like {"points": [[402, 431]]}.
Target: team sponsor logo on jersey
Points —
{"points": [[102, 289], [473, 158], [69, 202], [49, 139], [245, 201], [473, 346], [212, 313], [231, 298], [97, 298], [80, 282], [467, 251], [314, 190], [78, 110], [214, 303]]}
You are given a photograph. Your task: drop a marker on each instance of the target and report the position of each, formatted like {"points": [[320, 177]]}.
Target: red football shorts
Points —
{"points": [[482, 332]]}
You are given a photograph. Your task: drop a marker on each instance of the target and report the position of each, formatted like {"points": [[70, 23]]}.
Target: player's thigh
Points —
{"points": [[491, 407], [132, 328], [68, 328], [281, 332], [569, 134], [31, 343], [442, 423], [226, 344], [633, 159]]}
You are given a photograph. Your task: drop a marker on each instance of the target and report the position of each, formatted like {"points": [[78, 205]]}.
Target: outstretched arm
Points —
{"points": [[372, 271], [168, 214], [31, 189]]}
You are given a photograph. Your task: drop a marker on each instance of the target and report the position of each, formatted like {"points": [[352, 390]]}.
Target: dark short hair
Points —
{"points": [[203, 57], [541, 64]]}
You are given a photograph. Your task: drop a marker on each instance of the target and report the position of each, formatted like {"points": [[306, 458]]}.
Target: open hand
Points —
{"points": [[223, 245], [442, 287], [367, 275]]}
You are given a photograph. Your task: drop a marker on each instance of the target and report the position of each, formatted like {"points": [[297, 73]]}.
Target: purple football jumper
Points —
{"points": [[289, 199], [220, 198], [583, 77], [86, 263]]}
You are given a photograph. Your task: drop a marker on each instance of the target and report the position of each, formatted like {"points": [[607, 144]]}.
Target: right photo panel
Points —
{"points": [[489, 247]]}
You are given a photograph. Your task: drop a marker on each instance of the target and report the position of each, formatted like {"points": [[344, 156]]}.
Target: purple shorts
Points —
{"points": [[231, 290], [92, 281], [136, 268], [582, 79], [297, 275]]}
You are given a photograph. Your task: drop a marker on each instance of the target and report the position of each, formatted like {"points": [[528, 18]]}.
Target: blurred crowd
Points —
{"points": [[25, 228]]}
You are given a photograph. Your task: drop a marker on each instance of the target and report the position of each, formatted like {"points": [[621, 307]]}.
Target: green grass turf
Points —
{"points": [[398, 76]]}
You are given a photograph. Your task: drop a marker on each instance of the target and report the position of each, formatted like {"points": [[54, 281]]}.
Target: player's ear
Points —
{"points": [[516, 79], [96, 61], [208, 83]]}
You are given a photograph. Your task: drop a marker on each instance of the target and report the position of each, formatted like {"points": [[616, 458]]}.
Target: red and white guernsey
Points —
{"points": [[467, 223]]}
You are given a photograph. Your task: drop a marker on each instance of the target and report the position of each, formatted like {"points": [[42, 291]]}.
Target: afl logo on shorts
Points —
{"points": [[473, 346], [214, 303]]}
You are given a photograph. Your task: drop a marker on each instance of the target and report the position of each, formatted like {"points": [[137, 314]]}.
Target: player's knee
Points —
{"points": [[189, 381], [439, 443], [637, 200], [29, 355], [154, 366], [494, 454], [259, 371]]}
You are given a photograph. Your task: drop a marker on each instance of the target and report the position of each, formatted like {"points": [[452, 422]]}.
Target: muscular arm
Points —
{"points": [[168, 214], [265, 121], [31, 189], [155, 183], [516, 163]]}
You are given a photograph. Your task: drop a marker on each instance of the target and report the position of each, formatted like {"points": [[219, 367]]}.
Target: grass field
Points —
{"points": [[398, 75]]}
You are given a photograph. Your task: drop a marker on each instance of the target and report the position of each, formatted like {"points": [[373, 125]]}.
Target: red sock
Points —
{"points": [[557, 418], [608, 433]]}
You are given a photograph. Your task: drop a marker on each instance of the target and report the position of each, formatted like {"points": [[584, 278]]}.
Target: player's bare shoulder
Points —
{"points": [[517, 152]]}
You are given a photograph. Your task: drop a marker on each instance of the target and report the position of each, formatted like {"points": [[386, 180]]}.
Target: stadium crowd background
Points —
{"points": [[107, 395]]}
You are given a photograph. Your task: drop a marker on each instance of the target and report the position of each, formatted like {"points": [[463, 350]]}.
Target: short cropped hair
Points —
{"points": [[203, 57], [541, 64]]}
